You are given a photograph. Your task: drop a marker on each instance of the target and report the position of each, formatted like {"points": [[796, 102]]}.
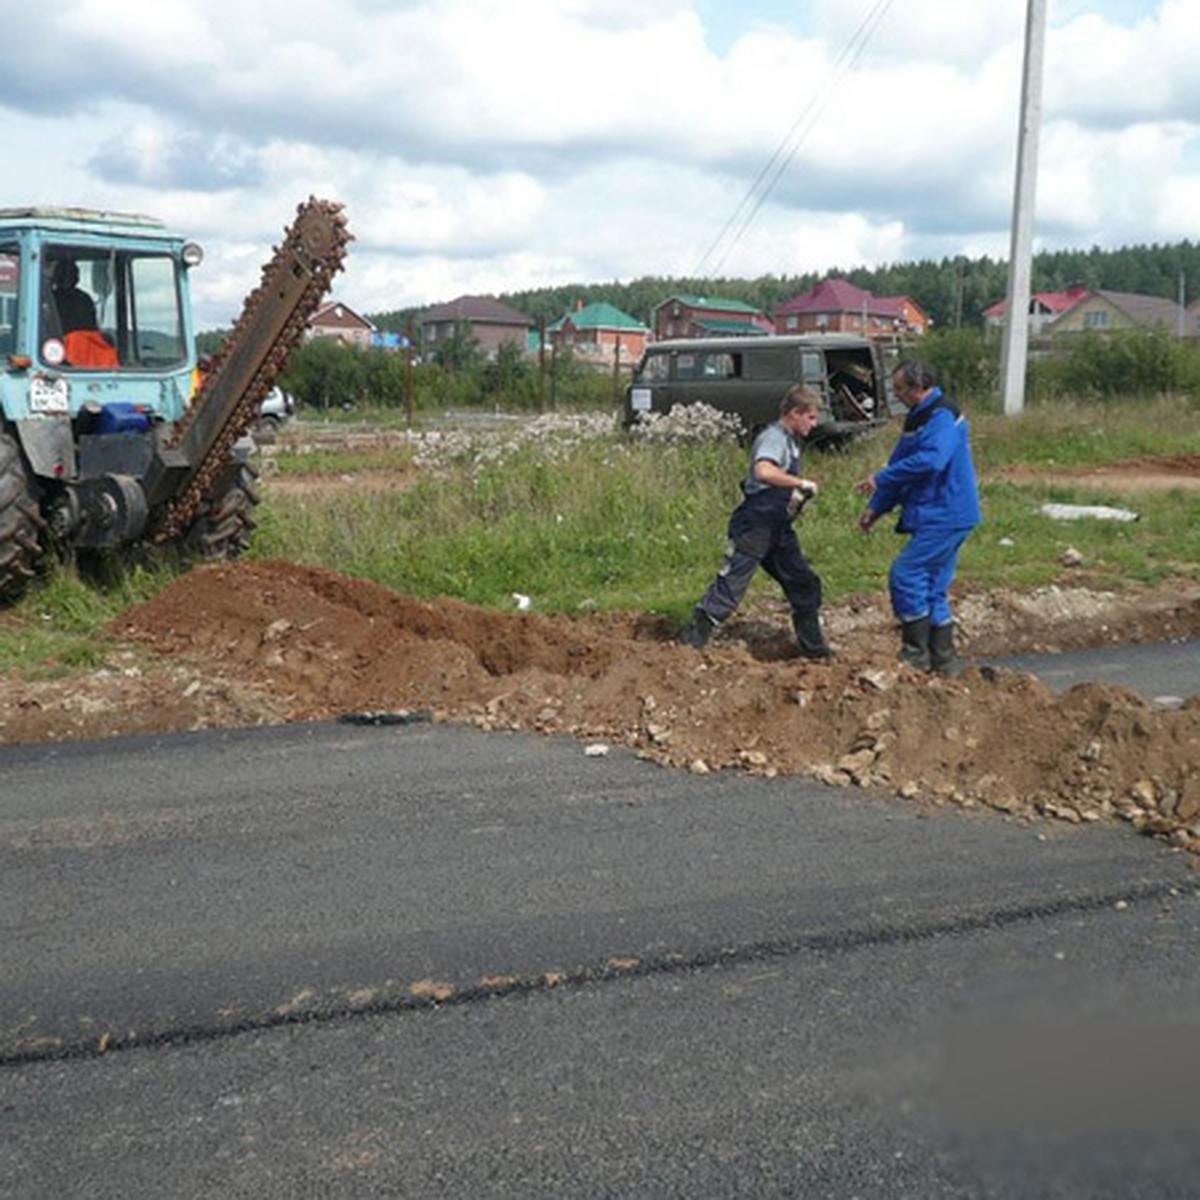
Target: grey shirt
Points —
{"points": [[779, 447]]}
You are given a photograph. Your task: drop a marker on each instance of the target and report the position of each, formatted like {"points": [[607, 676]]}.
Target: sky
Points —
{"points": [[490, 146]]}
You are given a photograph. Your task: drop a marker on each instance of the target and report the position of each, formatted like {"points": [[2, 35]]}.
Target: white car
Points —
{"points": [[275, 411]]}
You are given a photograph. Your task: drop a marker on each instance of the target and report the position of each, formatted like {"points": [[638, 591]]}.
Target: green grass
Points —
{"points": [[328, 461], [59, 626], [608, 524], [1070, 434], [642, 526]]}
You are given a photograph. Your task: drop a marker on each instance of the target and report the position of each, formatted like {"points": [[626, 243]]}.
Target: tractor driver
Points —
{"points": [[76, 309]]}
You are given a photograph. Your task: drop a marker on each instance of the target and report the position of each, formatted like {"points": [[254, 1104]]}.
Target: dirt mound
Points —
{"points": [[264, 642]]}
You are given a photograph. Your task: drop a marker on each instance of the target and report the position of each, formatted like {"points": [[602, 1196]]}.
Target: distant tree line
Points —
{"points": [[953, 291], [323, 374]]}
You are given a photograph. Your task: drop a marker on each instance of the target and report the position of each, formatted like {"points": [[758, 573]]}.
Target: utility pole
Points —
{"points": [[1016, 329]]}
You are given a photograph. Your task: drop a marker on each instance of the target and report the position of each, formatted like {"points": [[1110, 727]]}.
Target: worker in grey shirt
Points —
{"points": [[761, 533]]}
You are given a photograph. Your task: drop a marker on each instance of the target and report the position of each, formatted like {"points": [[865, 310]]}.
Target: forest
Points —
{"points": [[322, 374], [954, 292]]}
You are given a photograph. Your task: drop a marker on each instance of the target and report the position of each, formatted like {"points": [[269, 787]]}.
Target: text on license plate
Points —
{"points": [[48, 395]]}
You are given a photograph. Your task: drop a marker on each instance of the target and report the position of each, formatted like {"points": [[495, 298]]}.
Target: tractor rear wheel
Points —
{"points": [[20, 522], [225, 521]]}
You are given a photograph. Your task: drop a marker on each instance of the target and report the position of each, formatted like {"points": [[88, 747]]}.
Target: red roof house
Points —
{"points": [[340, 321], [837, 306], [1044, 307]]}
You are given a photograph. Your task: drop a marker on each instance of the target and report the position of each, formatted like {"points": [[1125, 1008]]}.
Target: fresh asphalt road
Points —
{"points": [[1163, 672], [222, 951]]}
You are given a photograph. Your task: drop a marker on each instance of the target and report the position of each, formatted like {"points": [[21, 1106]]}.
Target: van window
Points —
{"points": [[655, 369], [721, 366], [712, 364], [769, 364], [811, 366]]}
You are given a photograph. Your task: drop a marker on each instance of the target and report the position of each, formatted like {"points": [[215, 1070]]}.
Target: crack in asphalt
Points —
{"points": [[310, 1008]]}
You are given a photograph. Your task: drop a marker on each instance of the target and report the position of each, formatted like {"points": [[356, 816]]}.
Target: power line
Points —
{"points": [[779, 161]]}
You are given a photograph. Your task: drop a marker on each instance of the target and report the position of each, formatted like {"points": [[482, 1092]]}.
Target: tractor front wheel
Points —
{"points": [[20, 522]]}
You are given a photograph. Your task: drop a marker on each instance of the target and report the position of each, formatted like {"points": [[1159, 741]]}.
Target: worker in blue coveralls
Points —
{"points": [[931, 477], [761, 533]]}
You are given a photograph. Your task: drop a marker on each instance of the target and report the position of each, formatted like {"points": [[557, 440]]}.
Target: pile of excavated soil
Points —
{"points": [[267, 642]]}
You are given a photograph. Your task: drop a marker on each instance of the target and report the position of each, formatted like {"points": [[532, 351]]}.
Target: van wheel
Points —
{"points": [[21, 523]]}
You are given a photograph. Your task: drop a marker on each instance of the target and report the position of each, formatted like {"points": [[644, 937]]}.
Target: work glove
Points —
{"points": [[800, 497]]}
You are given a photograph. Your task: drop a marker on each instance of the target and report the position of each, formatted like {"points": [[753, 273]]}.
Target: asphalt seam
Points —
{"points": [[400, 998]]}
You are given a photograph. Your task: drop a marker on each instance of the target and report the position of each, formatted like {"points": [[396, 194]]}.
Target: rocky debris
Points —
{"points": [[266, 642]]}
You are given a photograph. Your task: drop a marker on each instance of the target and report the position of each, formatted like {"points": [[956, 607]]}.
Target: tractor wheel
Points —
{"points": [[20, 522], [226, 519]]}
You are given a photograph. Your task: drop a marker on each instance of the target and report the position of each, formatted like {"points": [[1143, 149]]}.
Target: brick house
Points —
{"points": [[837, 306], [600, 334], [340, 321], [1106, 312], [914, 320], [1044, 307], [492, 323], [707, 316]]}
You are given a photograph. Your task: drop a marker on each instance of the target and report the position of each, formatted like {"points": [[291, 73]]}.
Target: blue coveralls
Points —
{"points": [[761, 535], [931, 477]]}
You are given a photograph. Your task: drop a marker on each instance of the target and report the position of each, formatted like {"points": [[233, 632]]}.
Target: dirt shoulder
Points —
{"points": [[269, 642], [1180, 472]]}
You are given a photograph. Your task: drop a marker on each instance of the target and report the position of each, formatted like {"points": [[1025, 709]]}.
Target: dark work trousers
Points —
{"points": [[761, 535]]}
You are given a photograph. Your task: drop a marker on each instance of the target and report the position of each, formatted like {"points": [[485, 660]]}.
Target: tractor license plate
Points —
{"points": [[48, 395]]}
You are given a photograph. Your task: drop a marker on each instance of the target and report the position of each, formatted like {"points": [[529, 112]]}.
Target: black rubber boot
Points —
{"points": [[809, 637], [914, 644], [697, 631], [943, 656]]}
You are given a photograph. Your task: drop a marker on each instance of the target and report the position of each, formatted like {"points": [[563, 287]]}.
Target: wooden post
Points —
{"points": [[409, 381]]}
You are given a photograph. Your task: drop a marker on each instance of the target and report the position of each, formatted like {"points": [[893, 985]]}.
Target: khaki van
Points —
{"points": [[748, 376]]}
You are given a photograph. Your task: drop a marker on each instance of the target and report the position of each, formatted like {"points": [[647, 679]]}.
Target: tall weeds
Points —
{"points": [[578, 516]]}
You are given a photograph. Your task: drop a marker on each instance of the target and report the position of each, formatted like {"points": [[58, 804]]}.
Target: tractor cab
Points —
{"points": [[94, 312]]}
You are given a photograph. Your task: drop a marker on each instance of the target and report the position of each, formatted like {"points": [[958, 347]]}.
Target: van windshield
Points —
{"points": [[655, 369]]}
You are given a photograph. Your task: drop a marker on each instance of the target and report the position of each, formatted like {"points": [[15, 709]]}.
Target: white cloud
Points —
{"points": [[925, 31], [481, 145]]}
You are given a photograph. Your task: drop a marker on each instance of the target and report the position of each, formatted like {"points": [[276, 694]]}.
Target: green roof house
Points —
{"points": [[600, 334], [708, 316]]}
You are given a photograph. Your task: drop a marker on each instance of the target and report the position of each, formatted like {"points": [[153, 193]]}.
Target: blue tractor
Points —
{"points": [[110, 432]]}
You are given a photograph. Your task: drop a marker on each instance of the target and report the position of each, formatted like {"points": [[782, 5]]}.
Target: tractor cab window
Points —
{"points": [[110, 310], [10, 277]]}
